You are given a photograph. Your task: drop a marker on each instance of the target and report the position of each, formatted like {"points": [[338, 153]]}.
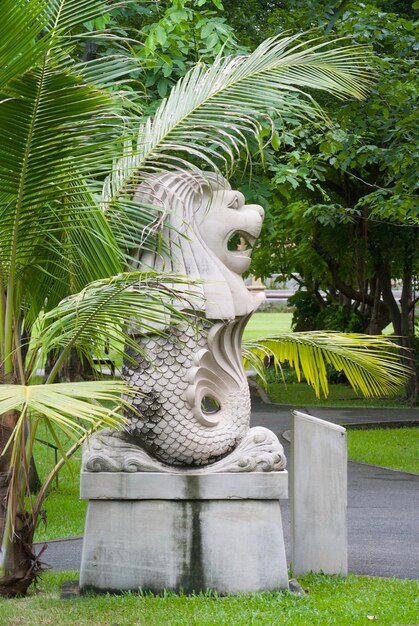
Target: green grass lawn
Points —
{"points": [[65, 512], [389, 447], [351, 601], [301, 394], [270, 323]]}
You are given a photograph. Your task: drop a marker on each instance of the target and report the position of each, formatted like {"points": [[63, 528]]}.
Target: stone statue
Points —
{"points": [[194, 410], [188, 497]]}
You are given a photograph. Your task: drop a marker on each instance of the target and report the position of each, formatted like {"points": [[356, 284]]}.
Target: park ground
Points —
{"points": [[329, 599]]}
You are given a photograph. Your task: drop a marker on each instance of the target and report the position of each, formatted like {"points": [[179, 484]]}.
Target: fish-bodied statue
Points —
{"points": [[194, 409]]}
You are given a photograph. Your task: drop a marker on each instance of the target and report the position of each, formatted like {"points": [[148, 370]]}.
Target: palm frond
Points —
{"points": [[49, 121], [57, 129], [211, 112], [65, 15], [370, 363], [21, 45], [110, 71], [73, 408], [76, 250], [122, 306]]}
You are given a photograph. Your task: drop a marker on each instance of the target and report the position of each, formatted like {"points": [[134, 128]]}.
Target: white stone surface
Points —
{"points": [[318, 496], [199, 214], [110, 450], [156, 486], [221, 536]]}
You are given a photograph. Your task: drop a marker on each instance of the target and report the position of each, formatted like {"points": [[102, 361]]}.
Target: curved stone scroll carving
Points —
{"points": [[115, 451], [217, 373]]}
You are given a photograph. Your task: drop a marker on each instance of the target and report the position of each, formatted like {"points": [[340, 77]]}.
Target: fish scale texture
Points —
{"points": [[165, 424]]}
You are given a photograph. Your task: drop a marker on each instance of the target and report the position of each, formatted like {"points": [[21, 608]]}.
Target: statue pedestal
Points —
{"points": [[184, 532]]}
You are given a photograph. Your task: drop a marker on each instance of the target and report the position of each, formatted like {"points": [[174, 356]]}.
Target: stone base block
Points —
{"points": [[189, 533]]}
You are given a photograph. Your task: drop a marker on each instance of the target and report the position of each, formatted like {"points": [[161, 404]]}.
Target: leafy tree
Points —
{"points": [[344, 213], [165, 38]]}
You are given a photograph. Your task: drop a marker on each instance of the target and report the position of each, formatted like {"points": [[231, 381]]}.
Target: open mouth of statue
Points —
{"points": [[241, 243]]}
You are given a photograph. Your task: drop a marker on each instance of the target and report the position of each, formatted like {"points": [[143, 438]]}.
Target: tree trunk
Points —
{"points": [[400, 317], [34, 480], [6, 429], [21, 564], [408, 330], [377, 321]]}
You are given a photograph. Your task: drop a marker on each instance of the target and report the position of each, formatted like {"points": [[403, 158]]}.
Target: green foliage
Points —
{"points": [[358, 357], [339, 317], [213, 113], [165, 39], [306, 312], [167, 51], [342, 203], [309, 315]]}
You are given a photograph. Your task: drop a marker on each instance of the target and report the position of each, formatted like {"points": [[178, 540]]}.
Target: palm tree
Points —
{"points": [[63, 252], [58, 130]]}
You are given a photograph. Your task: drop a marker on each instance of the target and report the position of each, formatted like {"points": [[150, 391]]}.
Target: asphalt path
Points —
{"points": [[383, 504]]}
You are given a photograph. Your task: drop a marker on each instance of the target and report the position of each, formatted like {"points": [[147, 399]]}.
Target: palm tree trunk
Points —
{"points": [[15, 553], [21, 564], [6, 428]]}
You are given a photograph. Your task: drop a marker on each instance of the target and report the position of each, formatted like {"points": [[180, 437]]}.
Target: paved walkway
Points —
{"points": [[383, 504]]}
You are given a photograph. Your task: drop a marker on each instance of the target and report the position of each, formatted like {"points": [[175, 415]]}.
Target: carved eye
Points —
{"points": [[210, 405], [234, 204]]}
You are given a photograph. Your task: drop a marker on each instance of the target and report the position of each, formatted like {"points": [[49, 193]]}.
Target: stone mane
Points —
{"points": [[200, 214]]}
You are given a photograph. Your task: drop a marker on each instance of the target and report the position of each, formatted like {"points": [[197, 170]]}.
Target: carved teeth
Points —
{"points": [[247, 242], [247, 238], [247, 252]]}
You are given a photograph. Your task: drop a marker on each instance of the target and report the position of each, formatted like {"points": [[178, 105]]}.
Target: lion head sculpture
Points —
{"points": [[200, 216]]}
